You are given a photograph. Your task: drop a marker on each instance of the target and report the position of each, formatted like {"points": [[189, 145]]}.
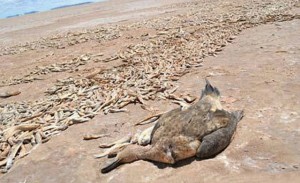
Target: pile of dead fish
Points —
{"points": [[149, 71], [207, 35], [69, 66], [62, 41]]}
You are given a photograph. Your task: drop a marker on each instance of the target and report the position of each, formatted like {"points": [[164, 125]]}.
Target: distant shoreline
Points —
{"points": [[65, 6], [33, 27], [59, 7]]}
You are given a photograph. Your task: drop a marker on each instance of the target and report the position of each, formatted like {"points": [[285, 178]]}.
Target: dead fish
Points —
{"points": [[113, 150], [7, 94], [121, 141], [12, 155], [149, 119], [5, 151], [24, 127], [117, 110], [94, 136], [183, 105], [78, 120]]}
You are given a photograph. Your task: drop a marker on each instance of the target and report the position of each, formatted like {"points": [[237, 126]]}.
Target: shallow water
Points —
{"points": [[11, 8]]}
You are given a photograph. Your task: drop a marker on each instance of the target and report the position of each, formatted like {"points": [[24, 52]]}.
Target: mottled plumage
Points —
{"points": [[178, 134]]}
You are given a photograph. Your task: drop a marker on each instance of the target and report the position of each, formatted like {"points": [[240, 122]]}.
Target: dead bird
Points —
{"points": [[181, 134]]}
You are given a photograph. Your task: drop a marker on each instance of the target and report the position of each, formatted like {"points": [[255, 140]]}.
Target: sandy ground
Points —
{"points": [[258, 72], [63, 20]]}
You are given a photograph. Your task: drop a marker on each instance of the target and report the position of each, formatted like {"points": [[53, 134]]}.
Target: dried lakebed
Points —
{"points": [[149, 71]]}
